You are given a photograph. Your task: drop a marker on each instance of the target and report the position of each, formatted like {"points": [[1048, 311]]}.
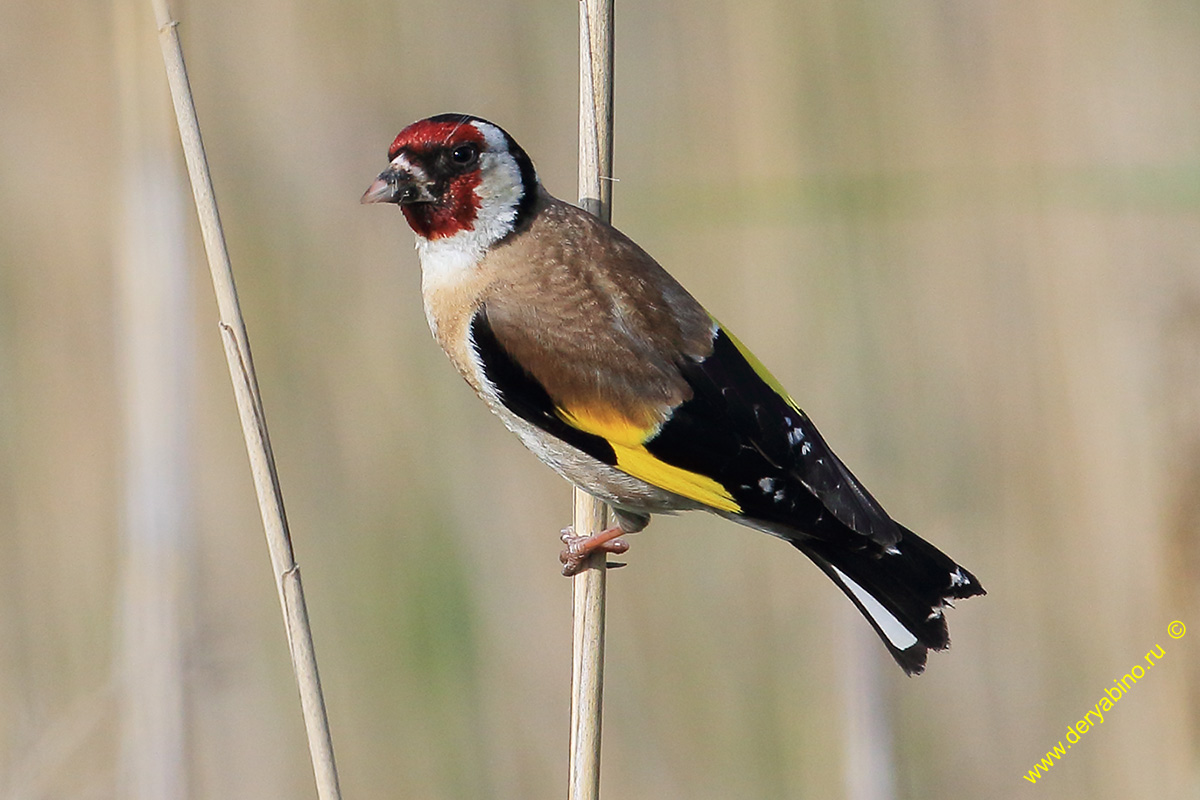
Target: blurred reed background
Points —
{"points": [[966, 236]]}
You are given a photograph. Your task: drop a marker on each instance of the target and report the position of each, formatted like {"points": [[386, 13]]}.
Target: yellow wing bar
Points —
{"points": [[627, 439]]}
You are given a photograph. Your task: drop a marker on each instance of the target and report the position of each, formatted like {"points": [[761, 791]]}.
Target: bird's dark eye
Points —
{"points": [[465, 154]]}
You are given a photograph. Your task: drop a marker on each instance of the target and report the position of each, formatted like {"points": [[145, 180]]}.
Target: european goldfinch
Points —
{"points": [[611, 373]]}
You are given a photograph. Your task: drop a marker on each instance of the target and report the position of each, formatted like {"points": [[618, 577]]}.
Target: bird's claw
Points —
{"points": [[579, 548]]}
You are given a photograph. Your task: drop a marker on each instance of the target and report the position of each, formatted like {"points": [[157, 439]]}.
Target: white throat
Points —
{"points": [[446, 261]]}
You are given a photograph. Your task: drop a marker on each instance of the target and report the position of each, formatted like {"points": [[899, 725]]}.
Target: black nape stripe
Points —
{"points": [[524, 396], [529, 185]]}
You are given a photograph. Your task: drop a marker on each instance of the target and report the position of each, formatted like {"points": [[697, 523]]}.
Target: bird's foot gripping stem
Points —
{"points": [[580, 547]]}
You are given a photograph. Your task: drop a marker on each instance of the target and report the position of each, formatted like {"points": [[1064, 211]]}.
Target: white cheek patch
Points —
{"points": [[500, 188], [900, 637]]}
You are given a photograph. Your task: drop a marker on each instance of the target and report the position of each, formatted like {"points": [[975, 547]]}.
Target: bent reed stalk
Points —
{"points": [[254, 423]]}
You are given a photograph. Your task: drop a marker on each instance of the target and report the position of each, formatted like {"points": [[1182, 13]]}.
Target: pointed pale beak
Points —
{"points": [[397, 185]]}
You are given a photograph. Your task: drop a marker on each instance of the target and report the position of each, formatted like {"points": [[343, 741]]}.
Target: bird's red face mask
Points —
{"points": [[434, 177]]}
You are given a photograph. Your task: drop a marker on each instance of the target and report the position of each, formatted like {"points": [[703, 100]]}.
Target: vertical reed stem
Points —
{"points": [[595, 195]]}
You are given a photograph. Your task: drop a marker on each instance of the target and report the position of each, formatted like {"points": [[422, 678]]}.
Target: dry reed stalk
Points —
{"points": [[254, 423], [595, 195]]}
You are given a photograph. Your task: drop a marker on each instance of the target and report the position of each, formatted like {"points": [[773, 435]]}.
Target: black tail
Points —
{"points": [[901, 590]]}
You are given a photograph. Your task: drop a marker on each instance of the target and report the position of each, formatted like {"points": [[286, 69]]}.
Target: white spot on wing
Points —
{"points": [[957, 578], [900, 637]]}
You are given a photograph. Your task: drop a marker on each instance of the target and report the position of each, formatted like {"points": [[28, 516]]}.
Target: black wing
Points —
{"points": [[740, 429]]}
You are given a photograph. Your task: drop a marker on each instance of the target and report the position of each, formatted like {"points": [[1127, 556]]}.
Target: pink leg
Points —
{"points": [[580, 547]]}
